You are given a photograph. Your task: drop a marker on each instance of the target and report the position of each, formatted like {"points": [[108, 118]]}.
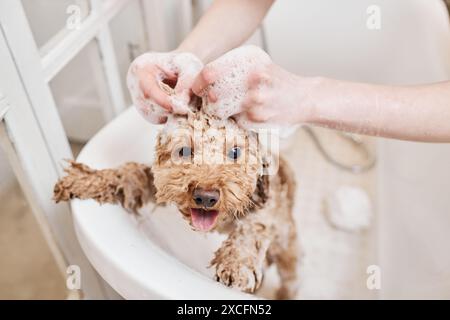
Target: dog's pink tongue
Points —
{"points": [[203, 220]]}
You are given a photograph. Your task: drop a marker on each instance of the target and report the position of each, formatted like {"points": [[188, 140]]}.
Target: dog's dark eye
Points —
{"points": [[185, 152], [234, 153]]}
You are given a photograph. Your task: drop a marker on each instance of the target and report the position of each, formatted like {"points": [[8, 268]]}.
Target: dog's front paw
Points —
{"points": [[243, 274]]}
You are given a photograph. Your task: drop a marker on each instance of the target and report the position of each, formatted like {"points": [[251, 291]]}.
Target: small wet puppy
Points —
{"points": [[221, 178]]}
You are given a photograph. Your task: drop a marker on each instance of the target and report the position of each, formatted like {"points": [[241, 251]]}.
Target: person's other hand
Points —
{"points": [[277, 96], [245, 83], [146, 78], [223, 82]]}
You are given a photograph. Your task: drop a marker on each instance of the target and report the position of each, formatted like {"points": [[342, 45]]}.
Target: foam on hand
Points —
{"points": [[184, 65], [231, 87]]}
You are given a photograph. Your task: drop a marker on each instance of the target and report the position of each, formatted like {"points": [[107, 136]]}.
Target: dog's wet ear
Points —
{"points": [[197, 103], [261, 194]]}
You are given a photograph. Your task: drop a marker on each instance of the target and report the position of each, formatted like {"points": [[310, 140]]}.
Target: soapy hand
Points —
{"points": [[246, 84], [146, 78], [277, 96], [243, 83], [224, 81]]}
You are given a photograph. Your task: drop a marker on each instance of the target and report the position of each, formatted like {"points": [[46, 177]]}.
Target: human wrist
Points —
{"points": [[310, 90], [197, 50]]}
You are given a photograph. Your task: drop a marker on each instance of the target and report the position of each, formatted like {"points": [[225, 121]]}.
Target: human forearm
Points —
{"points": [[225, 25], [420, 113]]}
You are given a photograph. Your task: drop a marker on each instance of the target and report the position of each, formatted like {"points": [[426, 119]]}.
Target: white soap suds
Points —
{"points": [[234, 68], [231, 88], [349, 209], [184, 65]]}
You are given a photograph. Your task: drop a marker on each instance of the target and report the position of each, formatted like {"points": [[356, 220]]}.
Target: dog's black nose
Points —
{"points": [[205, 198]]}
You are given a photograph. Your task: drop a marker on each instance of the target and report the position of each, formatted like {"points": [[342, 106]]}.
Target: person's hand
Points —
{"points": [[151, 74], [245, 83], [277, 96], [224, 81]]}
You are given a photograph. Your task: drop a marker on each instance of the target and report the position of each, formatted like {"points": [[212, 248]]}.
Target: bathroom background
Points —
{"points": [[408, 187]]}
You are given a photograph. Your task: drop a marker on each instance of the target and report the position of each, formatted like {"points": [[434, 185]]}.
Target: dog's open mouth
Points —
{"points": [[203, 220]]}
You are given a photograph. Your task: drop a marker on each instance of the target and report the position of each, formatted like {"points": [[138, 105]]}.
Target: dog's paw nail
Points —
{"points": [[239, 276]]}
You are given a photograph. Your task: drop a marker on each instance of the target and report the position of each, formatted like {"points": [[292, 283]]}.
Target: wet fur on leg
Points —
{"points": [[130, 185]]}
